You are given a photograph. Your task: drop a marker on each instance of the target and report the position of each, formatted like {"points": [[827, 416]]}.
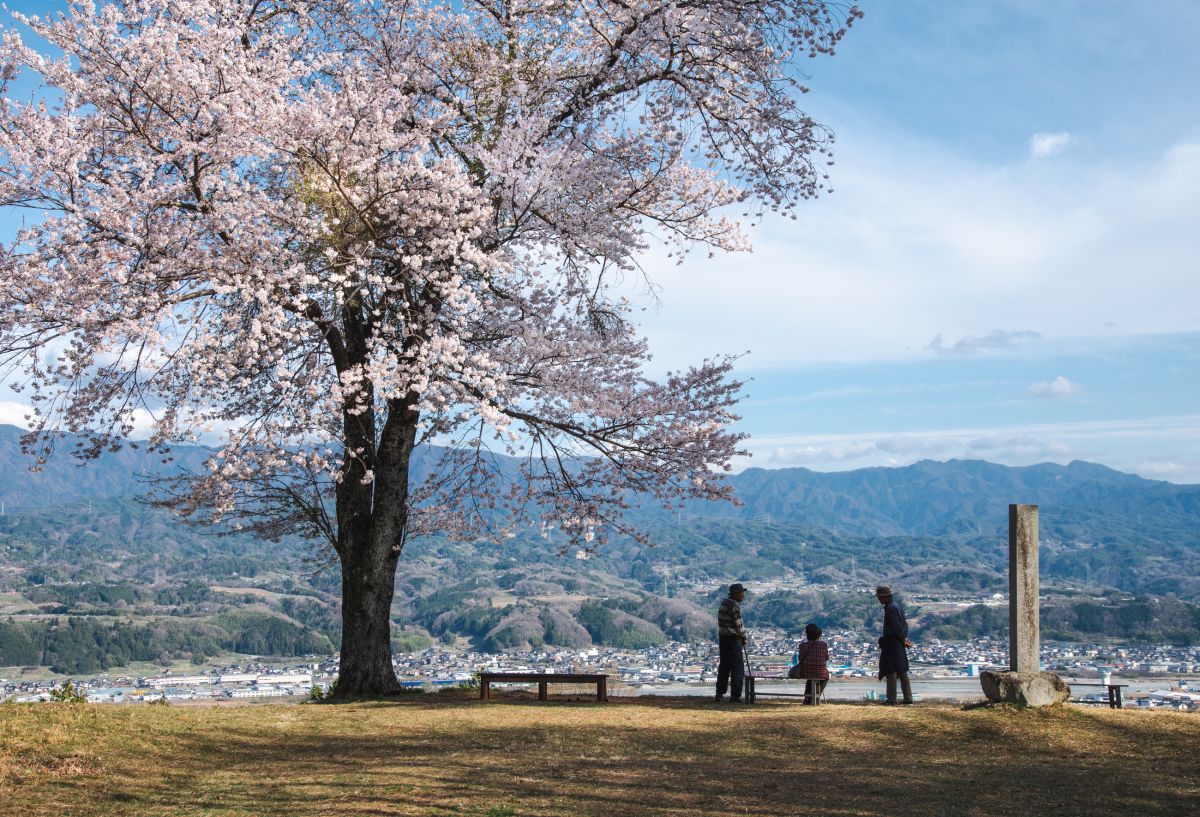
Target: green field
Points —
{"points": [[451, 755]]}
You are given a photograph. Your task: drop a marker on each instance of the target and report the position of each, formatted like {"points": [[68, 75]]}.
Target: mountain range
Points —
{"points": [[76, 542], [932, 523], [928, 498]]}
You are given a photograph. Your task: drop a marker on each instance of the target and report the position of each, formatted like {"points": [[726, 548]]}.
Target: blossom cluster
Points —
{"points": [[333, 230]]}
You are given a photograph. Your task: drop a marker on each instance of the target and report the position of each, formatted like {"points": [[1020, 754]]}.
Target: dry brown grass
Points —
{"points": [[440, 755]]}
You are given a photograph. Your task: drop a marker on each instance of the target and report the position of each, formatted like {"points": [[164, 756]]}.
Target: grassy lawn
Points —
{"points": [[441, 755]]}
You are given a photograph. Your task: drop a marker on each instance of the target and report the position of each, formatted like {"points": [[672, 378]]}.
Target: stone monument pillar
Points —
{"points": [[1024, 683], [1024, 642]]}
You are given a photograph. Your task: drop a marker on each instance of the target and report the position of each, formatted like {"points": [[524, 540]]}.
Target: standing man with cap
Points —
{"points": [[731, 637], [893, 647]]}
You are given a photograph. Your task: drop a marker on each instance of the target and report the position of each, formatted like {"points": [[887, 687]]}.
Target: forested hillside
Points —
{"points": [[91, 576]]}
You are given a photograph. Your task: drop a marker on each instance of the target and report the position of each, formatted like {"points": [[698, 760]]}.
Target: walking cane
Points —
{"points": [[747, 676]]}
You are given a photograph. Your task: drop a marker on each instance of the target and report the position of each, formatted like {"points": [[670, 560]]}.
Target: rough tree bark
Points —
{"points": [[372, 512], [368, 581]]}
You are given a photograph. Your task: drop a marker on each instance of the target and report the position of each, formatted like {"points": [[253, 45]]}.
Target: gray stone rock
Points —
{"points": [[1024, 688]]}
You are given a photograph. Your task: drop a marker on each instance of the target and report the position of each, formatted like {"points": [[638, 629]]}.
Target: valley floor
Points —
{"points": [[448, 755]]}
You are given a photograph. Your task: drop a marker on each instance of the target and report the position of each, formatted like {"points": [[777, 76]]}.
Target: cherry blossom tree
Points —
{"points": [[332, 230]]}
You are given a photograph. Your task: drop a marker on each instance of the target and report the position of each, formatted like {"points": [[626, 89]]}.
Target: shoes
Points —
{"points": [[720, 697], [733, 700], [888, 703]]}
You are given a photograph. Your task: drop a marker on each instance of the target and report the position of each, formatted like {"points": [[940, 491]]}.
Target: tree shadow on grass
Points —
{"points": [[671, 758]]}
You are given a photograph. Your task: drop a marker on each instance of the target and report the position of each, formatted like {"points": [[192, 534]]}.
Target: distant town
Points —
{"points": [[671, 668]]}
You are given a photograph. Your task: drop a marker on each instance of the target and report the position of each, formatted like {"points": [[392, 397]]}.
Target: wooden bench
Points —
{"points": [[486, 679], [753, 692], [1116, 694]]}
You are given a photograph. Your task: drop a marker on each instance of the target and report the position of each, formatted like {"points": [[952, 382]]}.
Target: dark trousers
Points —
{"points": [[905, 688], [814, 687], [731, 670]]}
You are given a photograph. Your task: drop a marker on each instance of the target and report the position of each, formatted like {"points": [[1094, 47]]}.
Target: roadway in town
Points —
{"points": [[958, 688]]}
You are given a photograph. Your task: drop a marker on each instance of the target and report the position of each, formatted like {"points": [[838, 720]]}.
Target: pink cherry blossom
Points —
{"points": [[341, 228]]}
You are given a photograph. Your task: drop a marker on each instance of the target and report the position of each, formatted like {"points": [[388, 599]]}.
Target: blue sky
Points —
{"points": [[1007, 267]]}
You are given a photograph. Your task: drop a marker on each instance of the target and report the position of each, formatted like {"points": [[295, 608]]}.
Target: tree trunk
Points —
{"points": [[372, 516], [368, 580], [368, 584], [372, 519]]}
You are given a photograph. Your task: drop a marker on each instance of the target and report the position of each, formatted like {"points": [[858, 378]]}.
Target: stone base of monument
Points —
{"points": [[1024, 688]]}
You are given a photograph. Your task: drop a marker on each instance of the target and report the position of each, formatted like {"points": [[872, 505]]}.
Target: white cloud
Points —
{"points": [[1058, 388], [17, 413], [917, 243], [1159, 447], [143, 424], [873, 392], [971, 344], [1015, 446], [784, 456], [1042, 145], [13, 413], [1165, 469]]}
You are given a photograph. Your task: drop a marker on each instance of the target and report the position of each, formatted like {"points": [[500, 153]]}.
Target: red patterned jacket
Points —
{"points": [[814, 655]]}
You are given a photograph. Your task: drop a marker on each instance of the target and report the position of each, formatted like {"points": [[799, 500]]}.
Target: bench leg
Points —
{"points": [[541, 690], [484, 691], [602, 690]]}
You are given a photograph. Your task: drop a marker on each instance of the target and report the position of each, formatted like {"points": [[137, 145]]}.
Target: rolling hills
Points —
{"points": [[76, 542]]}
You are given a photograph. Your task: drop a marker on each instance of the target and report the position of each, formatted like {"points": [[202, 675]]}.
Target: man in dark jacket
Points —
{"points": [[731, 637], [893, 647]]}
